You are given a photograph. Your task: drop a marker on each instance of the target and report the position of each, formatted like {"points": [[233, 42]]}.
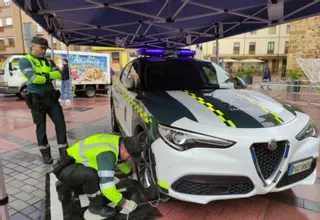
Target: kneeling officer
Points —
{"points": [[90, 164]]}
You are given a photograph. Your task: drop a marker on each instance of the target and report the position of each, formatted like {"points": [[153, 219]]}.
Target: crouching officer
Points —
{"points": [[90, 165], [42, 98]]}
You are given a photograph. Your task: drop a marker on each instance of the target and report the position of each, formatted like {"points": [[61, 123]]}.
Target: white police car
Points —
{"points": [[208, 140]]}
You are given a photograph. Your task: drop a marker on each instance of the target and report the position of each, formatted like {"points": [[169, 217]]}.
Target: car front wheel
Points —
{"points": [[114, 124], [146, 173]]}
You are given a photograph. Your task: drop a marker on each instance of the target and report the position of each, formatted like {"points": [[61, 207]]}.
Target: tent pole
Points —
{"points": [[217, 50], [70, 79], [4, 212], [52, 58]]}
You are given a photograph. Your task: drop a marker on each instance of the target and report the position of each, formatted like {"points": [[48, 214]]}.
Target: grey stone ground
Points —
{"points": [[25, 172]]}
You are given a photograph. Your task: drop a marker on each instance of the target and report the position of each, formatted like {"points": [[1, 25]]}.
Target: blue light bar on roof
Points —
{"points": [[182, 52]]}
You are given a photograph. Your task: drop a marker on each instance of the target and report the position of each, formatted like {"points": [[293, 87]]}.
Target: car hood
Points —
{"points": [[219, 107]]}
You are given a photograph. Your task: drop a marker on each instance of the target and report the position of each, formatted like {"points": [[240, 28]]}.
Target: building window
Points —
{"points": [[8, 21], [236, 48], [1, 24], [7, 2], [272, 30], [270, 47], [288, 29], [252, 47], [286, 47], [11, 41], [253, 32], [2, 45]]}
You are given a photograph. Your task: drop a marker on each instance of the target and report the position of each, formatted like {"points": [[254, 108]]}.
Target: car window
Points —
{"points": [[125, 72], [15, 63], [210, 73], [134, 74], [179, 74]]}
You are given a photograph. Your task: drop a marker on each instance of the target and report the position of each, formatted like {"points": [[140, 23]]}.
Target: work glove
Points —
{"points": [[128, 207]]}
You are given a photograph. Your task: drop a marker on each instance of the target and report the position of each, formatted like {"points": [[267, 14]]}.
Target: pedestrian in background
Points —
{"points": [[42, 98], [266, 78], [65, 84]]}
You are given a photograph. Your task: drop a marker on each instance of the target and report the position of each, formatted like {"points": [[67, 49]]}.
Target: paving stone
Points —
{"points": [[12, 211], [17, 183], [12, 190], [7, 170], [37, 162], [11, 198], [39, 193], [23, 196], [8, 180], [32, 166], [27, 188], [11, 165], [28, 171], [28, 210], [35, 175], [37, 214], [25, 164], [31, 181], [21, 177], [41, 185], [33, 200], [21, 169], [40, 205], [19, 216], [4, 162], [18, 205], [14, 174]]}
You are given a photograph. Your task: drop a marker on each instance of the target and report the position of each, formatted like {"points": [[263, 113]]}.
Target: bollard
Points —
{"points": [[4, 199]]}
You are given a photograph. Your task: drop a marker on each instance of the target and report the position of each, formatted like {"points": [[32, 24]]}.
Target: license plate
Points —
{"points": [[299, 167]]}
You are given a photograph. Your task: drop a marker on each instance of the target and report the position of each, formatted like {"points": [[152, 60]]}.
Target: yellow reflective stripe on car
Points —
{"points": [[136, 107], [163, 184], [209, 106], [276, 117]]}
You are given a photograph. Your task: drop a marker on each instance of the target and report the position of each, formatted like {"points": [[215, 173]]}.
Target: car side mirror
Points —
{"points": [[129, 83], [11, 68], [240, 82]]}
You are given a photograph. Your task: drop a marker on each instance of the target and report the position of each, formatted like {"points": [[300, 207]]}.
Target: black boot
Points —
{"points": [[98, 206], [46, 155], [63, 152], [64, 191], [106, 211]]}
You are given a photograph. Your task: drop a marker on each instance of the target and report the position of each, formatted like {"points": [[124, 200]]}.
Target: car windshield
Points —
{"points": [[178, 74]]}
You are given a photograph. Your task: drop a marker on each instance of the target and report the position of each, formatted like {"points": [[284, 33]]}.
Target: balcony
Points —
{"points": [[270, 52]]}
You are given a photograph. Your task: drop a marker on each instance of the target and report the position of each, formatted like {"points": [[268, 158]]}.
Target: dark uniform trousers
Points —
{"points": [[85, 180], [41, 105]]}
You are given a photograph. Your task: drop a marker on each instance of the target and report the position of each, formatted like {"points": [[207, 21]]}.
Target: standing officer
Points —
{"points": [[90, 166], [42, 98]]}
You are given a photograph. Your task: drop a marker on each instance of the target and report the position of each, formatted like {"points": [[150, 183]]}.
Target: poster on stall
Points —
{"points": [[93, 68]]}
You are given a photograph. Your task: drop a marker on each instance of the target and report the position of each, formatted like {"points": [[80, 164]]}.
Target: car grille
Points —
{"points": [[206, 188], [287, 180], [268, 160]]}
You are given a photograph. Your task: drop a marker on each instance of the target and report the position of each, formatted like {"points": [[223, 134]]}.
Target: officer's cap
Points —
{"points": [[41, 41]]}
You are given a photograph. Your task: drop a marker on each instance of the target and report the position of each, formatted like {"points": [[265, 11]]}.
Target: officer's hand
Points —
{"points": [[128, 207]]}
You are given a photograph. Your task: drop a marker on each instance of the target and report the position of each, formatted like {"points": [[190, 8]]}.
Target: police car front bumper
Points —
{"points": [[201, 175]]}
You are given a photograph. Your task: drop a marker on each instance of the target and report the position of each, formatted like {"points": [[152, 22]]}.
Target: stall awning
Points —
{"points": [[160, 23]]}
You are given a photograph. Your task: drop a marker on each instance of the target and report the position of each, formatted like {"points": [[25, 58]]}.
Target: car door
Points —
{"points": [[15, 78], [119, 99], [133, 73]]}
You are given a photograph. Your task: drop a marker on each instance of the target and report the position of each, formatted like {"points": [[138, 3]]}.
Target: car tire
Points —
{"points": [[22, 93], [114, 125], [90, 91], [146, 174]]}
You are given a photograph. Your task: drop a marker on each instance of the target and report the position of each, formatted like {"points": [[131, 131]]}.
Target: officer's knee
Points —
{"points": [[91, 176]]}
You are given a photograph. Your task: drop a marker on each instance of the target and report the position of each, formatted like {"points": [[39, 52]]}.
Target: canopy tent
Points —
{"points": [[230, 61], [160, 23], [252, 61]]}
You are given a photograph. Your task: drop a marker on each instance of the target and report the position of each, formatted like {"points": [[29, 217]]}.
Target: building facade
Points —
{"points": [[10, 30], [304, 41], [269, 45]]}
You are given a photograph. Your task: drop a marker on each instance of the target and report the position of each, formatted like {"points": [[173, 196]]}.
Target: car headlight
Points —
{"points": [[309, 130], [183, 140]]}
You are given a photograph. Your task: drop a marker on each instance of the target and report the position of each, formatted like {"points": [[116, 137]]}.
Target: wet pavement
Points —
{"points": [[25, 172]]}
